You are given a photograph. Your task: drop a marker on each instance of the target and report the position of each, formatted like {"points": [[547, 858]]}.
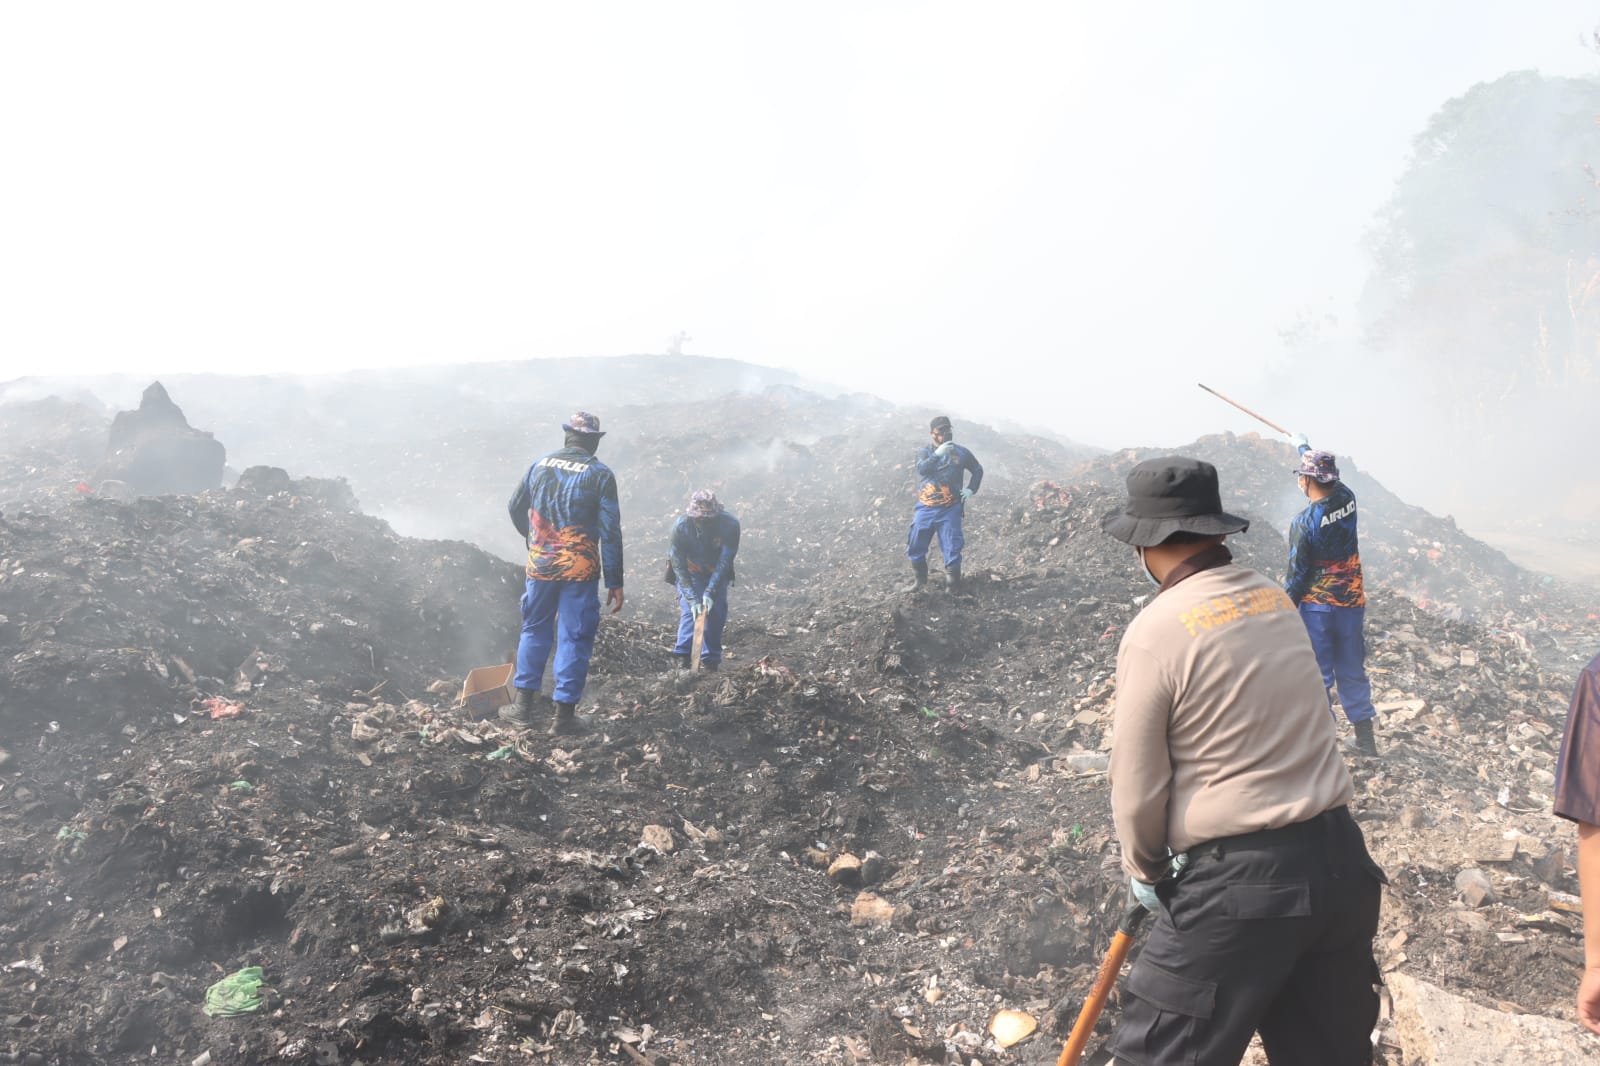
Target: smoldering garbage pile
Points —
{"points": [[48, 447], [55, 449], [152, 450], [110, 604], [231, 741]]}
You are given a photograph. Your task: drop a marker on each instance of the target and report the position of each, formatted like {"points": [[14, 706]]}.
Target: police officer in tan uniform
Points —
{"points": [[1229, 797]]}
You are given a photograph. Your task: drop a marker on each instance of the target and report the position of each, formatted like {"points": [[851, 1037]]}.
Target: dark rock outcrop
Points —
{"points": [[155, 452]]}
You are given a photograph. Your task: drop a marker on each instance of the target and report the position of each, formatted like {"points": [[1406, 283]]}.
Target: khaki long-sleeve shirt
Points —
{"points": [[1221, 724]]}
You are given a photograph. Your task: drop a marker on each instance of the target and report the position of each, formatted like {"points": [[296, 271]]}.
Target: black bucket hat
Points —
{"points": [[1171, 495]]}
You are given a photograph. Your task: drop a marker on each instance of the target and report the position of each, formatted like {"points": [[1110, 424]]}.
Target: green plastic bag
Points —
{"points": [[237, 993]]}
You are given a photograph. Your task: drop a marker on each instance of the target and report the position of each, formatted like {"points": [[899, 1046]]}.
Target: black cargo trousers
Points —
{"points": [[1268, 931]]}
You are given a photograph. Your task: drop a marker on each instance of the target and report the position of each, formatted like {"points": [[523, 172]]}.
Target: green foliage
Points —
{"points": [[1487, 260], [1488, 254]]}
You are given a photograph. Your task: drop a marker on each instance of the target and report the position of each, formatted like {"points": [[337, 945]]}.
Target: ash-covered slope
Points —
{"points": [[424, 888], [437, 450], [368, 425], [222, 750]]}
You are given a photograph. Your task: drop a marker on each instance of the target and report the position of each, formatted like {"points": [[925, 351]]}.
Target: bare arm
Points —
{"points": [[1589, 882]]}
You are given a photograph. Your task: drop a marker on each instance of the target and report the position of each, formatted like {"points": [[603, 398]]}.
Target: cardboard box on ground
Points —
{"points": [[487, 689]]}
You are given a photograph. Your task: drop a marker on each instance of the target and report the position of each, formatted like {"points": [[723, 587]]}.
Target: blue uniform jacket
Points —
{"points": [[704, 548], [942, 475], [1324, 558], [566, 509]]}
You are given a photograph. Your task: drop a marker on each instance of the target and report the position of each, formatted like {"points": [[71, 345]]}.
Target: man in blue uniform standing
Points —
{"points": [[566, 509], [942, 467], [1325, 583], [705, 540]]}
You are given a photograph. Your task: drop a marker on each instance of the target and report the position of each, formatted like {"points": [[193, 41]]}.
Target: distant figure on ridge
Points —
{"points": [[705, 540], [566, 509], [1325, 583], [942, 467]]}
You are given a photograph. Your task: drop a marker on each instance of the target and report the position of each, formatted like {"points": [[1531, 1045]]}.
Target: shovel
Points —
{"points": [[1116, 954], [699, 642]]}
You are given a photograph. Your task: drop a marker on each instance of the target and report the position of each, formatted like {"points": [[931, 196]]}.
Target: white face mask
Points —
{"points": [[1146, 568]]}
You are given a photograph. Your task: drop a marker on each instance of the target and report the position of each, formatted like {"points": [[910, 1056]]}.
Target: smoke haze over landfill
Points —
{"points": [[291, 297], [1056, 216]]}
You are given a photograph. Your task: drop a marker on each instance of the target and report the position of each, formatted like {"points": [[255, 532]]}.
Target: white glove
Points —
{"points": [[1146, 894], [966, 494], [944, 449], [1299, 441]]}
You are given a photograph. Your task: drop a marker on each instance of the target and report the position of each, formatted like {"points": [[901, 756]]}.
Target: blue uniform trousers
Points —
{"points": [[564, 615], [716, 619], [946, 523], [1336, 636]]}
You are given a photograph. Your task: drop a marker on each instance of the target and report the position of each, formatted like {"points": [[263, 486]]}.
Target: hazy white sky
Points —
{"points": [[1062, 212]]}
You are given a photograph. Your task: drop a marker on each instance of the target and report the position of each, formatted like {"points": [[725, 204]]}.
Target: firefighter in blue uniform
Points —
{"points": [[705, 540], [566, 509], [1325, 583], [942, 467]]}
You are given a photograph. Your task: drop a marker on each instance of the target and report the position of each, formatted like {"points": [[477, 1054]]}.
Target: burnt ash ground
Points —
{"points": [[550, 905], [414, 899]]}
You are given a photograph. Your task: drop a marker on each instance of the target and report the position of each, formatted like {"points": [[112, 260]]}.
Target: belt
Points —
{"points": [[1266, 838]]}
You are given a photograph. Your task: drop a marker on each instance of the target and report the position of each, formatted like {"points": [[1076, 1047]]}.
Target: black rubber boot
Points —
{"points": [[1366, 743], [567, 722], [520, 714], [952, 576], [921, 572], [707, 668], [680, 662]]}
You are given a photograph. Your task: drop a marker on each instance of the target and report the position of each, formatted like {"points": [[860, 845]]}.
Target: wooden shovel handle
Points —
{"points": [[697, 647], [1116, 954], [1246, 410]]}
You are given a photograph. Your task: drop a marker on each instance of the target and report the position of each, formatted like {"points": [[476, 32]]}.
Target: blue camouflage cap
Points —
{"points": [[1318, 466], [703, 504], [583, 422]]}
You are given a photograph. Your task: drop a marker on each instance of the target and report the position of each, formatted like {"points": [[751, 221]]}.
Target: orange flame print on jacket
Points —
{"points": [[1339, 585], [566, 554], [934, 494]]}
